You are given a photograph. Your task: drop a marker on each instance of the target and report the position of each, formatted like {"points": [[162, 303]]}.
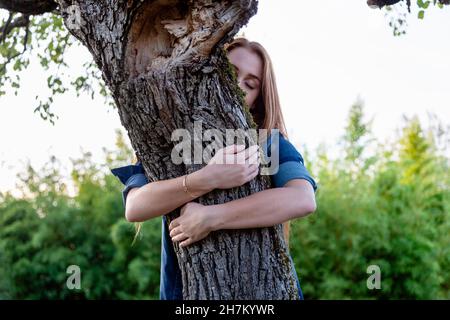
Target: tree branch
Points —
{"points": [[28, 7], [20, 22], [25, 41], [6, 27], [382, 3]]}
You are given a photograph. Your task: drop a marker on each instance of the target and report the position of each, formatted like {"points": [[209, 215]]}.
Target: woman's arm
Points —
{"points": [[292, 197], [160, 197], [231, 166], [261, 209], [266, 208]]}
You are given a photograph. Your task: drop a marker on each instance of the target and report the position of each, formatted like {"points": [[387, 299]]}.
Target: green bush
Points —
{"points": [[389, 210]]}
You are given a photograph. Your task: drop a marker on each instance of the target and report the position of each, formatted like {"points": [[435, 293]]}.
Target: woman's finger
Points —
{"points": [[175, 231], [230, 159], [254, 166], [250, 151], [238, 158], [254, 170], [173, 224], [241, 156], [254, 158], [186, 242], [179, 237], [233, 148]]}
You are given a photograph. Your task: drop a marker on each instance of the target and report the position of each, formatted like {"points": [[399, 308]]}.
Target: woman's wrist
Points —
{"points": [[215, 217], [200, 182]]}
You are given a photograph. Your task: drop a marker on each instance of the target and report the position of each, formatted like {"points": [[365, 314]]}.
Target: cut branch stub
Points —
{"points": [[170, 33]]}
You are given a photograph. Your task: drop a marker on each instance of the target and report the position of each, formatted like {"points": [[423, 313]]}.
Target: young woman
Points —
{"points": [[294, 187]]}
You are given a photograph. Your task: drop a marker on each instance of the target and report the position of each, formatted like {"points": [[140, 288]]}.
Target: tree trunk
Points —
{"points": [[165, 65]]}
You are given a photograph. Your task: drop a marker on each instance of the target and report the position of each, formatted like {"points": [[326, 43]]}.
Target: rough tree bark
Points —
{"points": [[164, 63]]}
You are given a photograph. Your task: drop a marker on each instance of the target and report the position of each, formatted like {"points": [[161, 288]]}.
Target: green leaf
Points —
{"points": [[421, 14]]}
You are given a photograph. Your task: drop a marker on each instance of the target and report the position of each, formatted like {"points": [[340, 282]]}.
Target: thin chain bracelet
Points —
{"points": [[185, 187]]}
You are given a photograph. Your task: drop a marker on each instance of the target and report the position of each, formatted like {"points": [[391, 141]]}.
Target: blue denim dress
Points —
{"points": [[291, 166]]}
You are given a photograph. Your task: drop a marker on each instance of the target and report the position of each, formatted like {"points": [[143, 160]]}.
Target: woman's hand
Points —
{"points": [[194, 223], [232, 166]]}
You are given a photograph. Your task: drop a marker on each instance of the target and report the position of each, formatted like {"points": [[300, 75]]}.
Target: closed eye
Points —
{"points": [[250, 87]]}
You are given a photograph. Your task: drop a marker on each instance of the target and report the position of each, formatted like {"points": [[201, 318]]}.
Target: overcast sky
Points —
{"points": [[326, 54]]}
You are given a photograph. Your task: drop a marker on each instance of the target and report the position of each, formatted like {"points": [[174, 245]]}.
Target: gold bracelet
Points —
{"points": [[186, 190]]}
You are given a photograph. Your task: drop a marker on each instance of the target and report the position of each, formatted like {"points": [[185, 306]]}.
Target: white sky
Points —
{"points": [[326, 54]]}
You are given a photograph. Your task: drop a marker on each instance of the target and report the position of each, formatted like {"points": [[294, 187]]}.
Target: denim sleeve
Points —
{"points": [[291, 165], [135, 181], [132, 176], [292, 170]]}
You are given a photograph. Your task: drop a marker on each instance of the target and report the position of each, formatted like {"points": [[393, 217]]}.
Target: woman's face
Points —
{"points": [[248, 67]]}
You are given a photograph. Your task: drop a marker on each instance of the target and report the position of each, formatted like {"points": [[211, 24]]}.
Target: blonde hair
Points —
{"points": [[267, 111]]}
